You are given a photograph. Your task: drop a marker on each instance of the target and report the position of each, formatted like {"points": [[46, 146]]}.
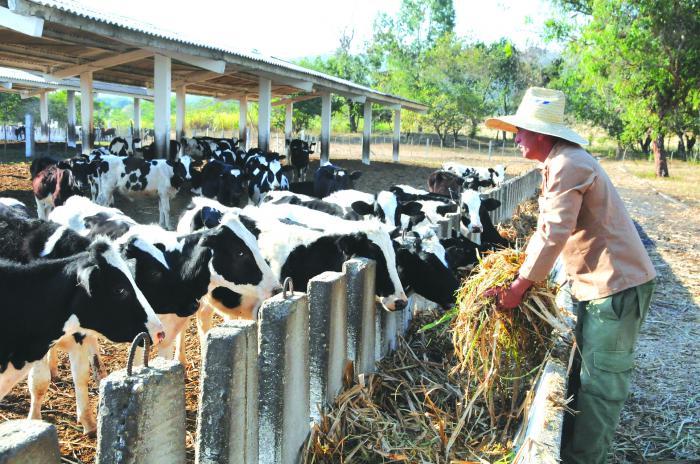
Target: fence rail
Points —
{"points": [[263, 381]]}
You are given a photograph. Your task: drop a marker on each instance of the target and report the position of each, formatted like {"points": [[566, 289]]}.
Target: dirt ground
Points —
{"points": [[661, 419]]}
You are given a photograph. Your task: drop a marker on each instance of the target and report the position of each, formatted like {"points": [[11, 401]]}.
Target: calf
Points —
{"points": [[90, 291], [384, 207], [480, 177], [51, 185], [265, 173], [135, 176], [20, 133], [299, 151], [223, 182], [149, 151], [119, 146], [329, 178], [446, 183], [13, 208]]}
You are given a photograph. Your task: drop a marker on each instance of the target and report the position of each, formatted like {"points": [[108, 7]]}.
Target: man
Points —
{"points": [[583, 219]]}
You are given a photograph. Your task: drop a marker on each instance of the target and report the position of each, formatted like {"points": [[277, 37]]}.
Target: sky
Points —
{"points": [[291, 29]]}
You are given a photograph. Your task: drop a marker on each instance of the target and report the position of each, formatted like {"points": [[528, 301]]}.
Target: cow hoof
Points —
{"points": [[91, 433]]}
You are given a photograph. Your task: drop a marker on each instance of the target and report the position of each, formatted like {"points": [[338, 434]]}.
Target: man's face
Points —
{"points": [[532, 145]]}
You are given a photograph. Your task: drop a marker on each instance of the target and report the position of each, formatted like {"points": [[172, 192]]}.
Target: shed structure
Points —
{"points": [[64, 38]]}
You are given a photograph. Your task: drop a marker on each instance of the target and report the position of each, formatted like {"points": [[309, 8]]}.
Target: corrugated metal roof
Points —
{"points": [[36, 80], [78, 8]]}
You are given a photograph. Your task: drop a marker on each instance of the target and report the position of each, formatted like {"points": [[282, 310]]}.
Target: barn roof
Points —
{"points": [[74, 35]]}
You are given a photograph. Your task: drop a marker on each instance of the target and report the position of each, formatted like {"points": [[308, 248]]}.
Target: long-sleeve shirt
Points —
{"points": [[583, 218]]}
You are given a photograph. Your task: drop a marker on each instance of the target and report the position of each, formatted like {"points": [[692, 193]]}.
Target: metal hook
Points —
{"points": [[287, 284], [132, 351]]}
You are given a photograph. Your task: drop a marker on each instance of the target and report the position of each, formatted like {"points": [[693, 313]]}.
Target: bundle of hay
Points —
{"points": [[522, 224]]}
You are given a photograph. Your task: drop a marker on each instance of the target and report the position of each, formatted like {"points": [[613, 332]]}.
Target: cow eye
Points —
{"points": [[121, 293]]}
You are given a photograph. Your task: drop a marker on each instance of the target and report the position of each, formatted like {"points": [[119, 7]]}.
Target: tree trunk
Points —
{"points": [[689, 142], [352, 116], [681, 146], [660, 157], [644, 144]]}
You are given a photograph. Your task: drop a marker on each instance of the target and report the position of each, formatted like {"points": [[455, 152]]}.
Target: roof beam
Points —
{"points": [[300, 84], [28, 25], [24, 94], [196, 76], [233, 96], [217, 66], [284, 101], [114, 60]]}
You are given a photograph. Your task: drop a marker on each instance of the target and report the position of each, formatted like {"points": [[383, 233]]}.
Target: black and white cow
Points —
{"points": [[51, 184], [480, 177], [148, 152], [20, 133], [135, 176], [13, 208], [385, 206], [224, 182], [330, 178], [89, 292], [299, 151], [265, 173], [119, 146]]}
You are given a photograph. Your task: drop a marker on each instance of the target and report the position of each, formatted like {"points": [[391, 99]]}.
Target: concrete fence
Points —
{"points": [[262, 382]]}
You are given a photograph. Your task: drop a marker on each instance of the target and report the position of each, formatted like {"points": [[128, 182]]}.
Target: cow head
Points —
{"points": [[108, 299], [471, 203], [329, 179]]}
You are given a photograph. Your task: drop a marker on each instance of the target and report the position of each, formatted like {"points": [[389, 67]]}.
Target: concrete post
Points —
{"points": [[28, 136], [264, 110], [444, 228], [288, 119], [142, 417], [454, 222], [390, 326], [325, 127], [227, 420], [44, 113], [27, 441], [70, 103], [366, 132], [137, 117], [242, 122], [283, 366], [180, 111], [361, 313], [328, 345], [397, 135], [86, 108], [161, 104]]}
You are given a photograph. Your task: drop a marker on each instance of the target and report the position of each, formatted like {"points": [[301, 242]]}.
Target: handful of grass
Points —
{"points": [[500, 350]]}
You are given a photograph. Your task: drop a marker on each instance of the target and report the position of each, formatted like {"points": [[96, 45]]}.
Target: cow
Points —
{"points": [[330, 178], [207, 147], [265, 173], [384, 207], [119, 146], [148, 152], [20, 133], [448, 184], [108, 134], [91, 292], [135, 176], [480, 177], [13, 208], [299, 151], [223, 182], [51, 184]]}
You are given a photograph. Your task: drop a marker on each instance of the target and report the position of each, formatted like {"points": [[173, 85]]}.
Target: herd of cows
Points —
{"points": [[83, 268]]}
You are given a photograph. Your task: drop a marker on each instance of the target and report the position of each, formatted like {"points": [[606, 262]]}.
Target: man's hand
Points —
{"points": [[511, 297]]}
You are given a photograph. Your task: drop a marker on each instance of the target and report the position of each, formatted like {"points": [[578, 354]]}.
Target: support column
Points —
{"points": [[264, 109], [288, 125], [325, 127], [87, 136], [70, 103], [44, 113], [137, 117], [180, 96], [366, 132], [397, 134], [242, 122], [161, 102], [28, 136]]}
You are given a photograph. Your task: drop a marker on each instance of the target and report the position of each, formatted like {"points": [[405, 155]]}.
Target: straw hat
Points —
{"points": [[541, 111]]}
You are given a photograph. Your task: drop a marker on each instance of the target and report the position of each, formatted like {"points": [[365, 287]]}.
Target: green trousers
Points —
{"points": [[606, 334]]}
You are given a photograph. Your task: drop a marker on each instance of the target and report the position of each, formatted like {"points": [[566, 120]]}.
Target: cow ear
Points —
{"points": [[411, 208], [355, 175], [490, 204], [362, 208], [283, 157]]}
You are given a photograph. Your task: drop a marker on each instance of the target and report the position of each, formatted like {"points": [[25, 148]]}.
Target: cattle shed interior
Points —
{"points": [[67, 45]]}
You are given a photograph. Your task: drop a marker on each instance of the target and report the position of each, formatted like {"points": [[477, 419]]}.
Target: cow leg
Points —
{"points": [[180, 347], [12, 377], [38, 382], [53, 362], [92, 345], [173, 325], [204, 322], [40, 209], [164, 209], [79, 356]]}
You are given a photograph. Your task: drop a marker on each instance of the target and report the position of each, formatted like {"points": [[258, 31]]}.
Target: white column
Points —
{"points": [[161, 103], [264, 109], [325, 127], [137, 117], [397, 134], [242, 122], [44, 113], [86, 112], [288, 124], [366, 131], [180, 96], [70, 116]]}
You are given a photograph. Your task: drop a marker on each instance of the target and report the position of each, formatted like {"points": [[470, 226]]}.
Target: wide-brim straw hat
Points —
{"points": [[541, 111]]}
